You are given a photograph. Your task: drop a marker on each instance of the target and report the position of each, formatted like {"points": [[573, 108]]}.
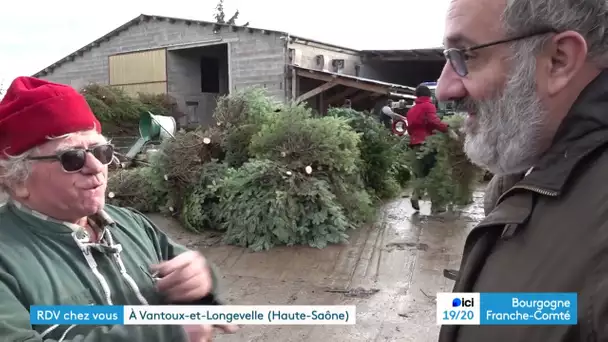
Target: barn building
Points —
{"points": [[197, 61]]}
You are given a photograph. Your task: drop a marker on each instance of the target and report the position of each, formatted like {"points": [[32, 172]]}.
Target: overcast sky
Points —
{"points": [[36, 33]]}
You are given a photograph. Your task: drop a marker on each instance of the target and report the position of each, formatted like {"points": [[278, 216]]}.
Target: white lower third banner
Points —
{"points": [[191, 314]]}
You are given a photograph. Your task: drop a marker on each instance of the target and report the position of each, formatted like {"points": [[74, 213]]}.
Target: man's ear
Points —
{"points": [[565, 54]]}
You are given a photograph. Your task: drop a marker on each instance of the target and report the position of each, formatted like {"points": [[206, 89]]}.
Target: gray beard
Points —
{"points": [[505, 135]]}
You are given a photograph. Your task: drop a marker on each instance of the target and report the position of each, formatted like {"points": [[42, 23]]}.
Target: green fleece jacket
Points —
{"points": [[48, 262]]}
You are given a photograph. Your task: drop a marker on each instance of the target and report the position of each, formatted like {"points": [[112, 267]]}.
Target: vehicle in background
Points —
{"points": [[402, 105]]}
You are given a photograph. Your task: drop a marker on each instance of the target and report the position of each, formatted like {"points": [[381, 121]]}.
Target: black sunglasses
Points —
{"points": [[73, 160], [458, 57]]}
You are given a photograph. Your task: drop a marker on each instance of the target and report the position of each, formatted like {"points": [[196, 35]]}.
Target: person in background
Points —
{"points": [[533, 77], [422, 122], [61, 244], [387, 115]]}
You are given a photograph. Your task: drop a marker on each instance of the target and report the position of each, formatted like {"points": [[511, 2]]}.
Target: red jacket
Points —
{"points": [[422, 120]]}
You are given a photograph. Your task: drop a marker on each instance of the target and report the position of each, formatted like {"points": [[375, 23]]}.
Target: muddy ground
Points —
{"points": [[390, 270]]}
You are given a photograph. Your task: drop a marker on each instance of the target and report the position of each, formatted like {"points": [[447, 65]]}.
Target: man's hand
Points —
{"points": [[453, 135], [185, 278], [204, 333]]}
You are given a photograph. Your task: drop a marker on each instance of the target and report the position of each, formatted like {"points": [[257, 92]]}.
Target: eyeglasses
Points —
{"points": [[458, 57], [73, 160]]}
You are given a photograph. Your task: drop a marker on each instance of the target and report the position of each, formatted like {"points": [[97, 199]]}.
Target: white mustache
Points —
{"points": [[97, 181]]}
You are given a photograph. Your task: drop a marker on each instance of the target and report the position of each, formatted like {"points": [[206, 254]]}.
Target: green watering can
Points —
{"points": [[152, 127]]}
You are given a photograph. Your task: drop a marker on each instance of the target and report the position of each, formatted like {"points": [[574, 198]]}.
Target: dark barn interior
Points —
{"points": [[198, 76], [381, 75], [407, 67]]}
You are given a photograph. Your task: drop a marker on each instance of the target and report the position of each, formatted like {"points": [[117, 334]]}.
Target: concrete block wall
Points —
{"points": [[185, 86], [256, 58], [180, 67], [259, 60]]}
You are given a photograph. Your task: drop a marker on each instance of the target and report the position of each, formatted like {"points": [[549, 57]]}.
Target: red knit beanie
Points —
{"points": [[34, 109]]}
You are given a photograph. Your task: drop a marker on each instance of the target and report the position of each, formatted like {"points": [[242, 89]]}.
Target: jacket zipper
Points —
{"points": [[535, 189]]}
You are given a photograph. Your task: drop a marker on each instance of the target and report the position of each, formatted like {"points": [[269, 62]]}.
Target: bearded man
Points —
{"points": [[532, 76], [60, 244]]}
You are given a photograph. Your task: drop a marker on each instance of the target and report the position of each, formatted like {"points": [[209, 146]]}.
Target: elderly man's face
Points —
{"points": [[68, 196], [505, 112]]}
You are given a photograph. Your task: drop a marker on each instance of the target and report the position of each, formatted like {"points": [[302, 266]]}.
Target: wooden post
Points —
{"points": [[294, 84]]}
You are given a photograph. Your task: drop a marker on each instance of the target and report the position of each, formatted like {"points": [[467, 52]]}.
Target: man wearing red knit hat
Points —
{"points": [[60, 244]]}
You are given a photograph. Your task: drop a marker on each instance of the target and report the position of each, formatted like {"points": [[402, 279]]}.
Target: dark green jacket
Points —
{"points": [[47, 262], [547, 231]]}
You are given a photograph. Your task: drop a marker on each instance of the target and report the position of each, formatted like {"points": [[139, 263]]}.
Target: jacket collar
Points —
{"points": [[582, 131], [422, 99], [100, 221]]}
